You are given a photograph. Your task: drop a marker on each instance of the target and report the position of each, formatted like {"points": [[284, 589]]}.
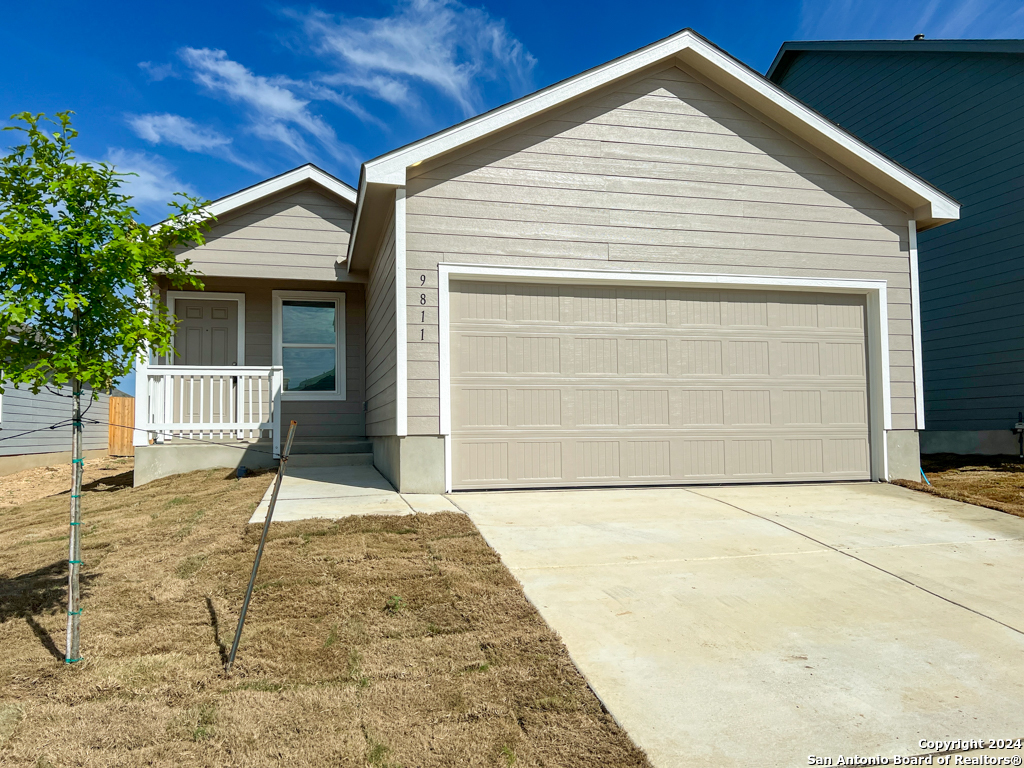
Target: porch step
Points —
{"points": [[315, 446], [329, 459]]}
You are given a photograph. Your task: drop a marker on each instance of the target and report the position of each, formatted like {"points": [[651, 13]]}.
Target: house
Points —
{"points": [[26, 437], [950, 111], [663, 270]]}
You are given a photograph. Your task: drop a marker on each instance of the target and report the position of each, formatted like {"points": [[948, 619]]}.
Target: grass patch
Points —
{"points": [[190, 566], [508, 755], [334, 650], [332, 637], [190, 525], [265, 686], [996, 482]]}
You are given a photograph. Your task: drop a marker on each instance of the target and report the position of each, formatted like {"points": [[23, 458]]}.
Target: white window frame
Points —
{"points": [[239, 298], [339, 325]]}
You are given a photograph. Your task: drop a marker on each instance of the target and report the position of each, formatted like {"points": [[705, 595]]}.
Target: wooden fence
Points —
{"points": [[122, 411]]}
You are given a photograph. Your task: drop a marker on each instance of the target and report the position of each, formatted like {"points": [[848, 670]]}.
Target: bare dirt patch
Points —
{"points": [[40, 482], [996, 482], [379, 641]]}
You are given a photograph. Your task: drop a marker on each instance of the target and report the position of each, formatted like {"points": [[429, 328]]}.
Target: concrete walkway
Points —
{"points": [[748, 626], [335, 492]]}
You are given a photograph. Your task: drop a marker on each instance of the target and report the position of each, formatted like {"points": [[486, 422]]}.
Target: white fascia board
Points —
{"points": [[392, 168], [938, 210], [938, 201], [278, 183], [360, 197]]}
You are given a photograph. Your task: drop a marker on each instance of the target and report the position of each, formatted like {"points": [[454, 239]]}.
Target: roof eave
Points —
{"points": [[392, 169], [279, 183], [792, 48]]}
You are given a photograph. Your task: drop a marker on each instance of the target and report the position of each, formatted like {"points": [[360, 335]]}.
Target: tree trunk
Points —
{"points": [[71, 654]]}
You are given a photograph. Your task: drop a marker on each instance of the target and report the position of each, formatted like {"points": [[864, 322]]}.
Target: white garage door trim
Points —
{"points": [[880, 420]]}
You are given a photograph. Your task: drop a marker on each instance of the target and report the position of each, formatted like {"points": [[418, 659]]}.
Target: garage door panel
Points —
{"points": [[570, 406], [649, 386], [552, 461]]}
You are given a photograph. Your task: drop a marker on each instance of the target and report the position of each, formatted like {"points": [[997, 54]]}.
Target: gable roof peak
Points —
{"points": [[263, 189], [930, 206]]}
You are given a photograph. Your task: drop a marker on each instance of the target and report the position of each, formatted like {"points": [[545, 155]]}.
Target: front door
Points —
{"points": [[207, 332], [206, 335]]}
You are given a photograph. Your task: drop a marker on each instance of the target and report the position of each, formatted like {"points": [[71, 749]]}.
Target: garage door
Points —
{"points": [[573, 385]]}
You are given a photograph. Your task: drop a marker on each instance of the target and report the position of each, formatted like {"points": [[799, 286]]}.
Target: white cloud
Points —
{"points": [[849, 19], [275, 110], [154, 184], [157, 72], [175, 129], [443, 44], [187, 134]]}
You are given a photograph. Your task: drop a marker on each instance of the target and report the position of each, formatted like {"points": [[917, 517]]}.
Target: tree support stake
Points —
{"points": [[259, 550]]}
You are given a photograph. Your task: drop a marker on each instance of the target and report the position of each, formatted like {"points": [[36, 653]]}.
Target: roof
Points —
{"points": [[790, 50], [930, 205], [271, 186]]}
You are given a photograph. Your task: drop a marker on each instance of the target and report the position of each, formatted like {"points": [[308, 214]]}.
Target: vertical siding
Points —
{"points": [[954, 119], [21, 411], [381, 359], [317, 419], [299, 235], [661, 173]]}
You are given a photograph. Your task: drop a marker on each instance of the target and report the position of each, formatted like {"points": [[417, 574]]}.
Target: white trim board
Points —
{"points": [[277, 184], [877, 335], [915, 309], [173, 296], [340, 362], [928, 202], [401, 316]]}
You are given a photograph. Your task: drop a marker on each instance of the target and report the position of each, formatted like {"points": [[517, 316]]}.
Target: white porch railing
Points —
{"points": [[179, 402]]}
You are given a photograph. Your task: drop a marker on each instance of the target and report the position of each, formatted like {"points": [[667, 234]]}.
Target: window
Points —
{"points": [[309, 343]]}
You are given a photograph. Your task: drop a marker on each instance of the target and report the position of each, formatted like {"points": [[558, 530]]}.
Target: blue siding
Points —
{"points": [[957, 120]]}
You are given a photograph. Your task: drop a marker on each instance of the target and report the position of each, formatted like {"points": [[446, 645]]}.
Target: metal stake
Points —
{"points": [[259, 550]]}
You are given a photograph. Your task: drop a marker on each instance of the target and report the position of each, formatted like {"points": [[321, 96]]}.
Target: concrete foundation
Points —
{"points": [[11, 464], [155, 461], [413, 464], [990, 442], [904, 452]]}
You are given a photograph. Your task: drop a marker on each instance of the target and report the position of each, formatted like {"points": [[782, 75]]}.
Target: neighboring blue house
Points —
{"points": [[25, 438], [952, 111]]}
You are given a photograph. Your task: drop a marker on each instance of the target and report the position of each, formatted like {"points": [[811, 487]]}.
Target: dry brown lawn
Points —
{"points": [[40, 482], [996, 482], [372, 641]]}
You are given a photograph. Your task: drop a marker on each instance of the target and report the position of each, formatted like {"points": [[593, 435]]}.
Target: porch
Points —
{"points": [[250, 356]]}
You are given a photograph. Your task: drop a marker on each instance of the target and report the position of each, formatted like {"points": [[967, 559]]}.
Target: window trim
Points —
{"points": [[340, 368]]}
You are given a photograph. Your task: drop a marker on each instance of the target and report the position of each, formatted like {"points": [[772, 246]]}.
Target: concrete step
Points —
{"points": [[329, 459], [313, 446]]}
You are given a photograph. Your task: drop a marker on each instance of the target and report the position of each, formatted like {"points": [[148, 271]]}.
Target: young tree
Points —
{"points": [[78, 280]]}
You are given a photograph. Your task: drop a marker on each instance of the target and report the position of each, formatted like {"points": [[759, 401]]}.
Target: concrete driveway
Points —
{"points": [[747, 626]]}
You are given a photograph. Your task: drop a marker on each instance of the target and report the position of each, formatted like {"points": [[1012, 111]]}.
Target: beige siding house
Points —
{"points": [[664, 270]]}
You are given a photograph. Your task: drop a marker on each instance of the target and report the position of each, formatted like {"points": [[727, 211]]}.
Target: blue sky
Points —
{"points": [[210, 97]]}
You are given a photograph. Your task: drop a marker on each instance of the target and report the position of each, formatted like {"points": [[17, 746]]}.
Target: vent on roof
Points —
{"points": [[919, 36]]}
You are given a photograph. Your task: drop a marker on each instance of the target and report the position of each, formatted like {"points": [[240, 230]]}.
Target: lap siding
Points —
{"points": [[661, 173]]}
